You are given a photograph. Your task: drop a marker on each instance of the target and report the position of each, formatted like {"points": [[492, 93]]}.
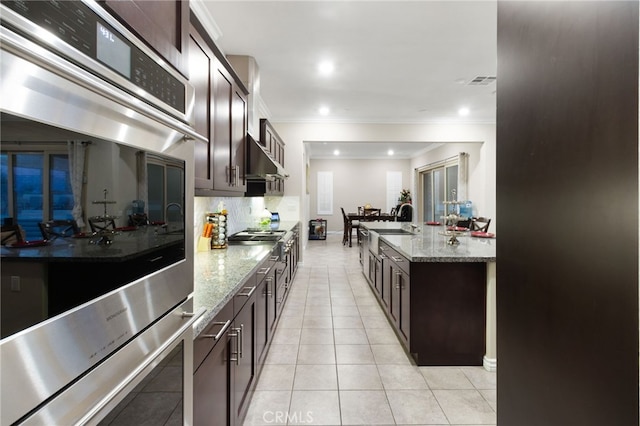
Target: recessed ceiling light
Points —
{"points": [[324, 110], [336, 152], [326, 67], [390, 152], [463, 111]]}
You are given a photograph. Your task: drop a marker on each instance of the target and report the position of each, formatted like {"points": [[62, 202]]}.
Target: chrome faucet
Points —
{"points": [[166, 210]]}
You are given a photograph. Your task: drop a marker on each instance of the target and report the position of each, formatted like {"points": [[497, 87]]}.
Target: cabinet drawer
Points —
{"points": [[244, 294], [400, 261], [212, 334]]}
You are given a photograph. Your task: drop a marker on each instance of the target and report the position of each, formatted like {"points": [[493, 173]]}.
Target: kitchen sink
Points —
{"points": [[392, 231]]}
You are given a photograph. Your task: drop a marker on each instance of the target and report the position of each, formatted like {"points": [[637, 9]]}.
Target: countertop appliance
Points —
{"points": [[71, 70]]}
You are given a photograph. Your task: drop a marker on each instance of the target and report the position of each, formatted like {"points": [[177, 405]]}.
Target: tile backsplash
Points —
{"points": [[243, 212]]}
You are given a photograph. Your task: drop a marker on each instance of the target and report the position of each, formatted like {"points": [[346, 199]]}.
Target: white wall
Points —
{"points": [[355, 183], [484, 175]]}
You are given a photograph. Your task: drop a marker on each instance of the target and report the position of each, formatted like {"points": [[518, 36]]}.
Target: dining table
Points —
{"points": [[385, 217]]}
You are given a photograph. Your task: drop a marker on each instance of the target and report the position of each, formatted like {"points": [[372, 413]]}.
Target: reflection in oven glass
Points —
{"points": [[157, 400]]}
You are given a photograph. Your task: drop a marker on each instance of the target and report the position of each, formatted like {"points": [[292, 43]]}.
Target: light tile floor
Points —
{"points": [[335, 360]]}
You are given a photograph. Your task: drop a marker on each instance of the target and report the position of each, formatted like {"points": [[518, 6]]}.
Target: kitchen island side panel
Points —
{"points": [[448, 313], [567, 199]]}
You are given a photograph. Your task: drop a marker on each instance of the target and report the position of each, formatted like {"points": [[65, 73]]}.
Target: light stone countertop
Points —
{"points": [[219, 274], [427, 245]]}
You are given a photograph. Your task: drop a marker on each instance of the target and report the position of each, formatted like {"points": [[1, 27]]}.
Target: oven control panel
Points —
{"points": [[81, 27]]}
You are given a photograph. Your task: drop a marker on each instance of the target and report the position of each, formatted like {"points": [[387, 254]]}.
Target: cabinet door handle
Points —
{"points": [[398, 275], [241, 340], [237, 335], [220, 333], [250, 291], [397, 259], [267, 288]]}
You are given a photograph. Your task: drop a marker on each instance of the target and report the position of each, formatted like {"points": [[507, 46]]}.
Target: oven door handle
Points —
{"points": [[178, 335]]}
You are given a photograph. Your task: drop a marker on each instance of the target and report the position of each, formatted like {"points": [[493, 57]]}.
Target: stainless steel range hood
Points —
{"points": [[261, 165]]}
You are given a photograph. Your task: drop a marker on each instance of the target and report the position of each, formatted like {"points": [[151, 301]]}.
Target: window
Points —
{"points": [[165, 190], [437, 185], [35, 187]]}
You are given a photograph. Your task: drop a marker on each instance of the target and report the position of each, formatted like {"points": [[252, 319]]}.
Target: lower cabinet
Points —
{"points": [[400, 305], [438, 309], [211, 379], [230, 352], [243, 356]]}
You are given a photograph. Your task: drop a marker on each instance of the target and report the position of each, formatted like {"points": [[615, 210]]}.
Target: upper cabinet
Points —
{"points": [[220, 115], [164, 25], [274, 146], [271, 141]]}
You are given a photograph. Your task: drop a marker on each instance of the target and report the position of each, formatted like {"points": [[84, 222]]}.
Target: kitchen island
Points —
{"points": [[439, 297]]}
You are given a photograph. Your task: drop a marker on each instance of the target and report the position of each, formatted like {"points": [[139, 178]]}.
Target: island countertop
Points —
{"points": [[426, 244], [125, 245]]}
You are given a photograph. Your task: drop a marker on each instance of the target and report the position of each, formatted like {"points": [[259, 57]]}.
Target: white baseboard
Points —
{"points": [[490, 364]]}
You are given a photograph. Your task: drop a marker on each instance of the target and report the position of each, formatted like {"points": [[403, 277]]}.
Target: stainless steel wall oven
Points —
{"points": [[110, 316]]}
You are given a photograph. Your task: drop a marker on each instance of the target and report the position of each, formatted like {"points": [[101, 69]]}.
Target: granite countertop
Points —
{"points": [[220, 274], [126, 245], [426, 244]]}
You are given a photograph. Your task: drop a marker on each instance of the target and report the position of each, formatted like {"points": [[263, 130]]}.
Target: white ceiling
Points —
{"points": [[395, 61]]}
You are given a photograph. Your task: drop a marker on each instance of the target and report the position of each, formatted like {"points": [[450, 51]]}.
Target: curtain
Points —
{"points": [[141, 166], [463, 176], [76, 151]]}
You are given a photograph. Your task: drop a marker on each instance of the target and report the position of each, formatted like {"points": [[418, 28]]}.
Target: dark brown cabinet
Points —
{"points": [[265, 308], [230, 352], [385, 285], [163, 25], [211, 379], [275, 147], [438, 309], [220, 114], [201, 64], [243, 357], [399, 291], [229, 133]]}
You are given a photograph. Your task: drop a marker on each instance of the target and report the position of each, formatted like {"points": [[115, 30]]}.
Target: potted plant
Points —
{"points": [[405, 196]]}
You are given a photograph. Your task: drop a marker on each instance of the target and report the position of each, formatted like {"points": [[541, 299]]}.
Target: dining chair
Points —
{"points": [[371, 212], [138, 219], [465, 223], [349, 226], [53, 229], [404, 213], [102, 223], [10, 234], [480, 224]]}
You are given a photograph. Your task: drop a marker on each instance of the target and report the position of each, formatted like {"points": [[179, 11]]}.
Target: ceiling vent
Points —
{"points": [[482, 81]]}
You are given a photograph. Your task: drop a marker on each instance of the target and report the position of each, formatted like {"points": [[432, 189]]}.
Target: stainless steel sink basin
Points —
{"points": [[392, 231]]}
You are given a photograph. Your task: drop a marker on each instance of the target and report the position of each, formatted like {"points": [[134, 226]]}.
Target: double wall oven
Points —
{"points": [[111, 319]]}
